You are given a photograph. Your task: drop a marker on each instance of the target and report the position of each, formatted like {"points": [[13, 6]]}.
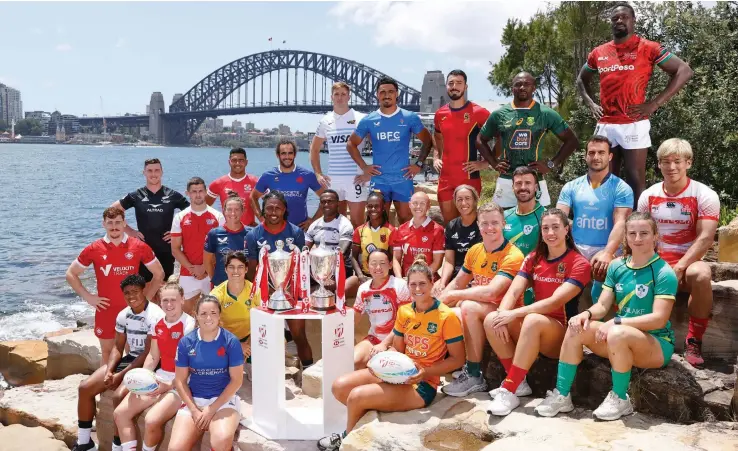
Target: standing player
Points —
{"points": [[390, 129], [687, 213], [237, 181], [190, 227], [231, 236], [625, 65], [335, 128], [154, 205], [420, 235], [115, 257], [521, 126], [457, 125]]}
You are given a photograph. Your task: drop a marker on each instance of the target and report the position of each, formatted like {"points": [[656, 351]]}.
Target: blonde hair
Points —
{"points": [[675, 147], [420, 265], [340, 84], [490, 207], [172, 283]]}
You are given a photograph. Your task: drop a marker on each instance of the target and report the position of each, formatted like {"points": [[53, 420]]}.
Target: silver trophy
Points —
{"points": [[279, 272], [322, 266]]}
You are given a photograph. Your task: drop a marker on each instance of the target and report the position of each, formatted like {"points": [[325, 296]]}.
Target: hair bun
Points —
{"points": [[420, 259], [232, 194], [174, 278]]}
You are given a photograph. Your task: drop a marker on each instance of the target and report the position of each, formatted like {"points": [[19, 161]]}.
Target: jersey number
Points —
{"points": [[357, 188]]}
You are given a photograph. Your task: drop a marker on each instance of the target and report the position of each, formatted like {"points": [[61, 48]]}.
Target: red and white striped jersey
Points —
{"points": [[193, 227]]}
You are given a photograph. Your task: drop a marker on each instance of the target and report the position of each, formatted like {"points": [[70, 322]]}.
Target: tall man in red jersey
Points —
{"points": [[456, 127], [420, 235], [115, 256], [625, 65], [238, 181]]}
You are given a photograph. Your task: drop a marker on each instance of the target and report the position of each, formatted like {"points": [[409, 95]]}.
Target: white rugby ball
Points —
{"points": [[392, 367], [140, 381]]}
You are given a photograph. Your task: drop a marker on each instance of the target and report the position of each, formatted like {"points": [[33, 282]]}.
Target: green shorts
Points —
{"points": [[426, 391], [667, 349]]}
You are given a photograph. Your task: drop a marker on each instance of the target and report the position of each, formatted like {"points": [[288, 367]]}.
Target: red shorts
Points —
{"points": [[447, 185], [372, 339], [105, 322]]}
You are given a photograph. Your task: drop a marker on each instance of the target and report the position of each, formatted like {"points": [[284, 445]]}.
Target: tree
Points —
{"points": [[29, 127]]}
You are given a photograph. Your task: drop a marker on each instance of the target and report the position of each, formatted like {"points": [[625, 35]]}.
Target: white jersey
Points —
{"points": [[381, 304], [138, 326], [336, 129], [333, 232]]}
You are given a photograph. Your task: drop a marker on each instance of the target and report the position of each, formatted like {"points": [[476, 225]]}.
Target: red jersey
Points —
{"points": [[625, 70], [221, 186], [459, 128], [428, 239], [193, 227], [381, 304], [547, 275], [167, 336]]}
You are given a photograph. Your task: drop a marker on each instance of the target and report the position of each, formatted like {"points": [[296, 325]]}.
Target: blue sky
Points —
{"points": [[66, 56]]}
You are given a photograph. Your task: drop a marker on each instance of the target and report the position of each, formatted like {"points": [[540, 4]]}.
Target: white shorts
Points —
{"points": [[590, 251], [505, 197], [628, 136], [192, 287], [348, 190], [233, 403]]}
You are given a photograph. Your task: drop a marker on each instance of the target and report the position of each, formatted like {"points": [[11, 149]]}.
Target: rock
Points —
{"points": [[52, 405], [723, 271], [75, 353], [728, 243], [312, 380], [60, 332], [23, 362], [735, 393], [428, 188], [21, 438]]}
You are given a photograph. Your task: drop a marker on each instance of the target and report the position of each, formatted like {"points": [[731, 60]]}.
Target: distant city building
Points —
{"points": [[250, 126], [42, 116], [66, 122], [11, 107], [284, 129], [236, 125], [218, 125]]}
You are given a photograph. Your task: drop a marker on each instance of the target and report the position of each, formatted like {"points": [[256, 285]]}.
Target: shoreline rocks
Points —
{"points": [[75, 353], [23, 362]]}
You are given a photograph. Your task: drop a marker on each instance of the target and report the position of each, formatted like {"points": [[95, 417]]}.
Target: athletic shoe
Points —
{"points": [[523, 390], [693, 352], [503, 403], [554, 403], [330, 443], [247, 371], [89, 446], [458, 373], [465, 385], [613, 407]]}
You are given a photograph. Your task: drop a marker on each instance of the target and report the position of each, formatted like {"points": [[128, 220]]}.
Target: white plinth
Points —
{"points": [[273, 418]]}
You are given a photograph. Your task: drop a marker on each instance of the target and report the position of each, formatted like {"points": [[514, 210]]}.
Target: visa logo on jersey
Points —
{"points": [[583, 222], [340, 139], [388, 136]]}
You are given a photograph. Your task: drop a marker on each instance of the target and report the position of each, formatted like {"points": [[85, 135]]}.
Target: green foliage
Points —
{"points": [[727, 214], [29, 127]]}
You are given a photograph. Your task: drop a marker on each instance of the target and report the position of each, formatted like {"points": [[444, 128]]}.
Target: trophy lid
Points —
{"points": [[322, 250], [279, 253]]}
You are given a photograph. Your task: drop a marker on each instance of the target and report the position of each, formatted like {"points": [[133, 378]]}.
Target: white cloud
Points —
{"points": [[63, 47], [122, 42]]}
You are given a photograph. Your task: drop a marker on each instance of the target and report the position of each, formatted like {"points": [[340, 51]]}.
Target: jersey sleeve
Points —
{"points": [[448, 236], [85, 257], [555, 122], [235, 354], [356, 236], [312, 180], [310, 234], [643, 206], [120, 322], [469, 258], [219, 216], [147, 255], [437, 122], [320, 131], [262, 185], [182, 360], [210, 242], [510, 264], [526, 268], [482, 114], [591, 64], [346, 230], [181, 202], [579, 272], [439, 240], [214, 188], [400, 323], [658, 54], [623, 195], [489, 129], [396, 240], [565, 195], [416, 125], [708, 205], [611, 275], [452, 331], [251, 249], [359, 304], [128, 201], [666, 283], [362, 129], [176, 229], [189, 324]]}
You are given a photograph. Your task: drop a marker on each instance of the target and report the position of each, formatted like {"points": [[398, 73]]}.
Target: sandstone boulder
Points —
{"points": [[312, 380], [21, 438], [75, 353], [23, 362], [59, 333]]}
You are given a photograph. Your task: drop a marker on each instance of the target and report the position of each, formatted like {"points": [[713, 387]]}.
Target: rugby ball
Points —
{"points": [[392, 367], [140, 381]]}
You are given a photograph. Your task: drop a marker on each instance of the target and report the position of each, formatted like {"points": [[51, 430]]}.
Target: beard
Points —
{"points": [[455, 96], [619, 33]]}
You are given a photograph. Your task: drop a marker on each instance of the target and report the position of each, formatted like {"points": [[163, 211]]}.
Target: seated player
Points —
{"points": [[642, 287], [558, 273], [167, 333], [374, 234], [419, 236], [427, 332]]}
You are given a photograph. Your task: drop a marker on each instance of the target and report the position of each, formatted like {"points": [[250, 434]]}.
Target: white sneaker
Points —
{"points": [[503, 403], [523, 389], [554, 403], [465, 385], [458, 373], [613, 407]]}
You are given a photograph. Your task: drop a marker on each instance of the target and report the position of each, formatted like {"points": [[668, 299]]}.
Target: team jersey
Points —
{"points": [[220, 187], [115, 263], [193, 227], [219, 242], [209, 361], [236, 310], [521, 132], [137, 326], [426, 334], [625, 70], [390, 136], [336, 130], [154, 213], [592, 208], [459, 128], [547, 275], [332, 232], [460, 238], [381, 304], [288, 234], [412, 241], [167, 336], [294, 185], [636, 288], [369, 239], [677, 215], [484, 265], [523, 230]]}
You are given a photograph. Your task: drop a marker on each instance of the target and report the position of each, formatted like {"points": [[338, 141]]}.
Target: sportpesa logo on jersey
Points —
{"points": [[615, 68]]}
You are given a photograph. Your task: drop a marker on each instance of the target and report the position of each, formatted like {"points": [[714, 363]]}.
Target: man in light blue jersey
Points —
{"points": [[391, 129], [600, 202]]}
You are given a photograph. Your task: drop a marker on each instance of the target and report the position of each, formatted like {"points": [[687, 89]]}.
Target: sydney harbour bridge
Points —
{"points": [[267, 82]]}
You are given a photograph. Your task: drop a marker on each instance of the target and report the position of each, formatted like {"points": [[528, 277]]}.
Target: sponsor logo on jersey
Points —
{"points": [[508, 227], [519, 121], [129, 255], [192, 352], [463, 245], [527, 229], [641, 290], [352, 121], [339, 139], [176, 335], [145, 199], [671, 204], [155, 208], [602, 58], [521, 139], [376, 124], [592, 223], [371, 248], [619, 287], [455, 236], [494, 267], [424, 239], [222, 240], [188, 222], [444, 118], [105, 257], [210, 221], [106, 270], [616, 68], [388, 136], [432, 328]]}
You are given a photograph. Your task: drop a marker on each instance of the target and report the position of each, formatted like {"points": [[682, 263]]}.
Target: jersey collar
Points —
{"points": [[607, 177], [179, 320], [199, 337], [460, 108], [663, 190], [279, 169], [274, 231], [233, 231], [385, 285], [538, 205], [649, 263], [530, 105], [560, 257], [425, 223], [106, 238], [435, 305], [502, 246], [238, 180], [388, 115]]}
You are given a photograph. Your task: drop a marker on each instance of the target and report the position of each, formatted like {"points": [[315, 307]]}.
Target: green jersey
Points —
{"points": [[521, 131], [523, 230], [636, 288]]}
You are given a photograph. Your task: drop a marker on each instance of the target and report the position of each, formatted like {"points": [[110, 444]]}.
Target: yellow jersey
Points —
{"points": [[484, 266], [369, 240], [236, 310]]}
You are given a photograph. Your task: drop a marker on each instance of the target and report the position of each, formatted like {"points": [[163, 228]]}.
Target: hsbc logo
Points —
{"points": [[616, 68]]}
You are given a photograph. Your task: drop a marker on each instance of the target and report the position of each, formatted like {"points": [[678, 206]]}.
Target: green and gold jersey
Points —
{"points": [[523, 230], [521, 131], [636, 289]]}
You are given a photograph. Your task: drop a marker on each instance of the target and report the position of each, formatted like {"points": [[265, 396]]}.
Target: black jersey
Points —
{"points": [[460, 239], [154, 213]]}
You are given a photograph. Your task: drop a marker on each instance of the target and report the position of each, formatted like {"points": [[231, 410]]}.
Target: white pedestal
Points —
{"points": [[272, 417]]}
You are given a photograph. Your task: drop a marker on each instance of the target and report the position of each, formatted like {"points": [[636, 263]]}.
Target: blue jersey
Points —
{"points": [[219, 241], [294, 185], [390, 137], [209, 361], [592, 208], [259, 236]]}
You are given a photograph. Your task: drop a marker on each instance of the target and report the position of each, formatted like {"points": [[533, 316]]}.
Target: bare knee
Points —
{"points": [[488, 320], [152, 423], [357, 396], [534, 322], [221, 441], [699, 273], [617, 336], [340, 388]]}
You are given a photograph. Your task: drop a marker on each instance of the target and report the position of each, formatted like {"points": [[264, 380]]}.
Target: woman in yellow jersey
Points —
{"points": [[234, 297], [373, 235], [427, 332]]}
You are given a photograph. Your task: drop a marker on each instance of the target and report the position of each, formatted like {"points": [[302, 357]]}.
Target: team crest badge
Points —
{"points": [[383, 238], [519, 121], [531, 120], [641, 290], [467, 118], [352, 121], [425, 239], [561, 270], [299, 179], [129, 255], [527, 229], [494, 267], [402, 121], [432, 328]]}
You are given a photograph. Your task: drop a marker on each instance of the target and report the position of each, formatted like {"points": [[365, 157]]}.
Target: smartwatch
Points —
{"points": [[618, 320], [419, 164]]}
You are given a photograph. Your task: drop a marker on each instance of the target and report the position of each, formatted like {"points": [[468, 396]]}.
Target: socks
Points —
{"points": [[130, 446], [514, 377], [306, 363], [146, 447], [596, 291], [83, 432], [697, 327], [248, 359], [116, 444], [620, 382], [565, 377], [344, 434], [474, 368], [507, 364]]}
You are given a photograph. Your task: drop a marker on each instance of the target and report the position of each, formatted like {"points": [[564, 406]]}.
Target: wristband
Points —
{"points": [[590, 313]]}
